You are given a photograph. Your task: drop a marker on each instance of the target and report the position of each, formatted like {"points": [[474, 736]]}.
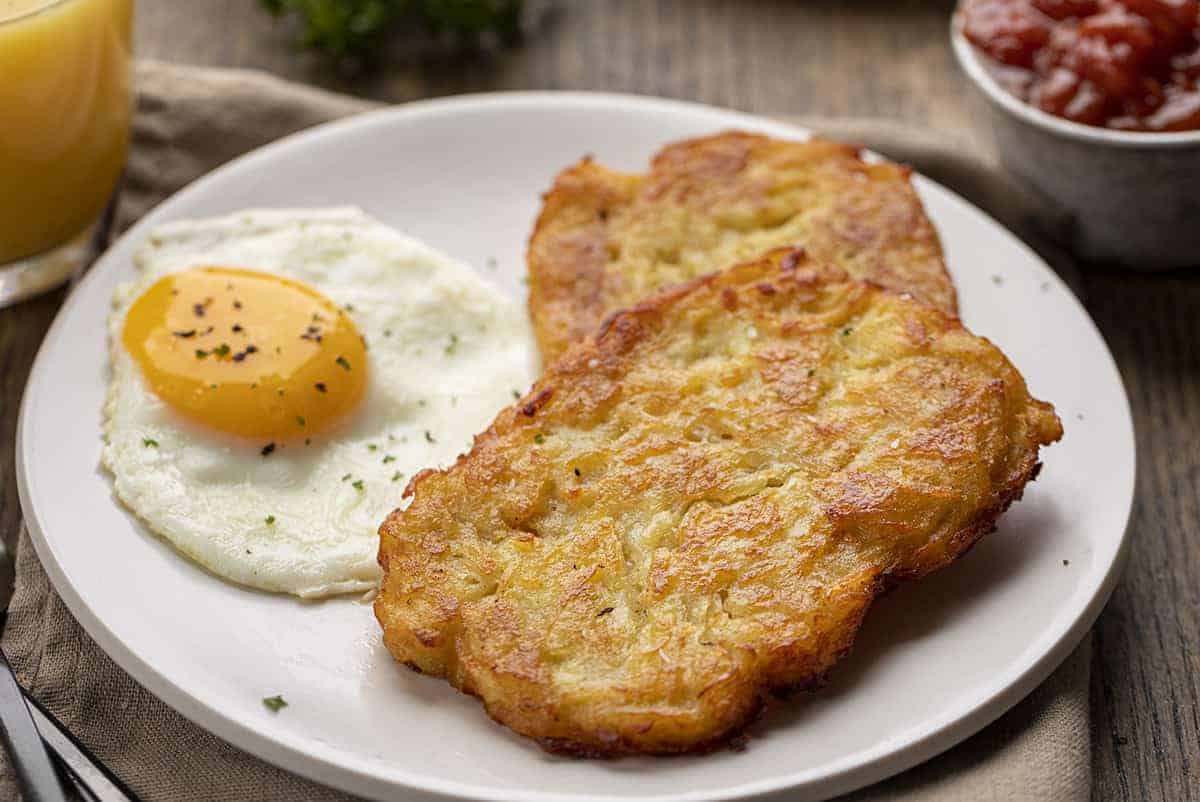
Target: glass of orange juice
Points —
{"points": [[64, 131]]}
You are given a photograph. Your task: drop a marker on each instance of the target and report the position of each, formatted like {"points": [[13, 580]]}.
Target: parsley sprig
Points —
{"points": [[352, 29]]}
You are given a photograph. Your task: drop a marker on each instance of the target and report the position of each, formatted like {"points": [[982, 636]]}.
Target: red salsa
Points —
{"points": [[1127, 64]]}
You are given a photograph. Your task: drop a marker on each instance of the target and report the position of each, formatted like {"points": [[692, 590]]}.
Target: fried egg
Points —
{"points": [[279, 375]]}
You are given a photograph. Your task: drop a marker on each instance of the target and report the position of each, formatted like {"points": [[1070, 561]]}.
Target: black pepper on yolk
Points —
{"points": [[248, 353]]}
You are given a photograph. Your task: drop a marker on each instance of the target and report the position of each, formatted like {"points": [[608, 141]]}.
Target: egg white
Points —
{"points": [[446, 350]]}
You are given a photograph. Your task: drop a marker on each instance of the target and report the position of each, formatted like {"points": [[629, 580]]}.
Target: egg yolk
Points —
{"points": [[248, 353]]}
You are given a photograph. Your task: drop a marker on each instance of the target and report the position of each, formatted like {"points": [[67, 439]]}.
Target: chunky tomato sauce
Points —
{"points": [[1125, 64]]}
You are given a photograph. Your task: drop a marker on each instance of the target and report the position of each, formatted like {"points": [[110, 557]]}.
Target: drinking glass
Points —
{"points": [[64, 132]]}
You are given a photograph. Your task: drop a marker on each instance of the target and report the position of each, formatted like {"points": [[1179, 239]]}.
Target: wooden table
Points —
{"points": [[886, 58]]}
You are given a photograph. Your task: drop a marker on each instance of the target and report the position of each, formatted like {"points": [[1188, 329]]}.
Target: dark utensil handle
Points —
{"points": [[81, 791], [94, 781], [35, 773]]}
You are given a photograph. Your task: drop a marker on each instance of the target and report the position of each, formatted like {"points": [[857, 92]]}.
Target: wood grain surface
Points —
{"points": [[884, 58]]}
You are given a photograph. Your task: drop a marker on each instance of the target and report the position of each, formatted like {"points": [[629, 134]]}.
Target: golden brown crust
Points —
{"points": [[697, 505], [605, 240]]}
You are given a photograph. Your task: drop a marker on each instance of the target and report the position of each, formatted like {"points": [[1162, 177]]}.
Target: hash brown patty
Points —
{"points": [[697, 505], [605, 240]]}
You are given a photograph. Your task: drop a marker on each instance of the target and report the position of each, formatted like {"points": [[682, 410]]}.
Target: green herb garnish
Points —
{"points": [[270, 519], [354, 29], [274, 703], [149, 442]]}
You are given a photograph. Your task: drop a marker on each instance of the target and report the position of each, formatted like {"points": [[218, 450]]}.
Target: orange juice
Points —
{"points": [[64, 117]]}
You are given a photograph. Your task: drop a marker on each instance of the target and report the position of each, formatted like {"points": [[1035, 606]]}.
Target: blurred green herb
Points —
{"points": [[274, 703], [352, 28]]}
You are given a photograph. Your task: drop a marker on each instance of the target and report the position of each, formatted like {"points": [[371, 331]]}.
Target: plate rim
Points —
{"points": [[857, 770]]}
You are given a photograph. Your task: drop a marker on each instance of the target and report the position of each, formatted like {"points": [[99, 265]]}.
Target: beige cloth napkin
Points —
{"points": [[189, 121]]}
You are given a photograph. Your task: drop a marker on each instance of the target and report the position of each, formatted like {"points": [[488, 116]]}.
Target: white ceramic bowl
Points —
{"points": [[1117, 197]]}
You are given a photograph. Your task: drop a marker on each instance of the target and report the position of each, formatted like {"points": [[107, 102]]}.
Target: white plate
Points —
{"points": [[935, 662]]}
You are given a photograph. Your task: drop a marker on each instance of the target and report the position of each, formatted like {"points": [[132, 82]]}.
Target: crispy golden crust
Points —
{"points": [[697, 505], [606, 240]]}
